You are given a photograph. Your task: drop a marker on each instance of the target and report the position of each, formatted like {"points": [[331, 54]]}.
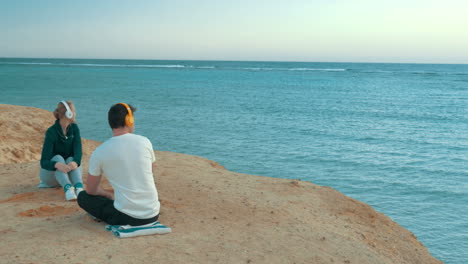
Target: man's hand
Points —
{"points": [[62, 167], [107, 194], [72, 165], [93, 187]]}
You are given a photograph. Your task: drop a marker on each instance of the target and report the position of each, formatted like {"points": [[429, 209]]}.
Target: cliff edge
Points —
{"points": [[217, 216]]}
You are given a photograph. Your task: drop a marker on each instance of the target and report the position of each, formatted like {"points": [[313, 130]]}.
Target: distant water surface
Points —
{"points": [[391, 135]]}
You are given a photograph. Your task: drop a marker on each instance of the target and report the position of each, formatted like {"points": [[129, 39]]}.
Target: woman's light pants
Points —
{"points": [[51, 179]]}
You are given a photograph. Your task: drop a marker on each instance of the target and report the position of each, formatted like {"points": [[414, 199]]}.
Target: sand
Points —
{"points": [[217, 216]]}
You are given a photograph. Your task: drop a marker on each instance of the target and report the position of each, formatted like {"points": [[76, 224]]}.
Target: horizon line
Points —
{"points": [[221, 60]]}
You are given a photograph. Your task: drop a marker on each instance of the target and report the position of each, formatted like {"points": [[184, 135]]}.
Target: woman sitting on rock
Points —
{"points": [[61, 153]]}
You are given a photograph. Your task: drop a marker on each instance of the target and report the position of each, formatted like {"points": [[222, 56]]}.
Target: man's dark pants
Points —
{"points": [[103, 208]]}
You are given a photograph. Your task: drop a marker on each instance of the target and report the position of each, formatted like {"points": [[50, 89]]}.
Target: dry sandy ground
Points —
{"points": [[217, 216]]}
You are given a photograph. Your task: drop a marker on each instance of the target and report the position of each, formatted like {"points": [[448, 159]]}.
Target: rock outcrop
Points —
{"points": [[217, 216]]}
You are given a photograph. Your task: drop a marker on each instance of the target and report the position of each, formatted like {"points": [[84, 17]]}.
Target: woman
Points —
{"points": [[61, 153]]}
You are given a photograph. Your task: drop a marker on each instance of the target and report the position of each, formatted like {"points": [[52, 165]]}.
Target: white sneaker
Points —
{"points": [[70, 194]]}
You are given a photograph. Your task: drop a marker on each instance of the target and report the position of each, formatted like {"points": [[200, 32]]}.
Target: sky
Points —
{"points": [[406, 31]]}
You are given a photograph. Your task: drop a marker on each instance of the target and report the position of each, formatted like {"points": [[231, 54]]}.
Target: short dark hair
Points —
{"points": [[116, 115]]}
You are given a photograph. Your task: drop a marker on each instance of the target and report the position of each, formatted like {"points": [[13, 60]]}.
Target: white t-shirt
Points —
{"points": [[126, 161]]}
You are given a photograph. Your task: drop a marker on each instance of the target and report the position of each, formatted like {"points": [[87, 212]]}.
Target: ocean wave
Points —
{"points": [[122, 65], [254, 69], [158, 66], [406, 186], [203, 67], [400, 72], [409, 72], [239, 68], [89, 65], [425, 72], [27, 63], [175, 66], [288, 69], [98, 65], [459, 73], [316, 69], [375, 71]]}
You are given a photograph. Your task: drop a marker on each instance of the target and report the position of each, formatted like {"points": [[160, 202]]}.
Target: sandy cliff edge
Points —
{"points": [[217, 216]]}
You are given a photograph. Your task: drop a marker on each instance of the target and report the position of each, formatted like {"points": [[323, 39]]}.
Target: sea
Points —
{"points": [[392, 135]]}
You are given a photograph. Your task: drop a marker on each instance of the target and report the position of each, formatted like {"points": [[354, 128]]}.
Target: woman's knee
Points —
{"points": [[58, 158], [75, 175]]}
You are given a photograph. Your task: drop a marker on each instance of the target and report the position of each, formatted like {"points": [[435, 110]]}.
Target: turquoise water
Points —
{"points": [[391, 135]]}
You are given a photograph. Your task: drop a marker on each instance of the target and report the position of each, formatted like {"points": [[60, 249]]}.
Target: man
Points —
{"points": [[126, 159]]}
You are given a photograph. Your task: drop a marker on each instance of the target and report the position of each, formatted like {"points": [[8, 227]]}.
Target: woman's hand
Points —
{"points": [[72, 165], [62, 167]]}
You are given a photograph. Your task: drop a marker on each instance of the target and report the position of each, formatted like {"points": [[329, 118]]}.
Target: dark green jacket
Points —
{"points": [[55, 143]]}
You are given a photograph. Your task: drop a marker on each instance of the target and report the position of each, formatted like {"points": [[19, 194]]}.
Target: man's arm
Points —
{"points": [[93, 187]]}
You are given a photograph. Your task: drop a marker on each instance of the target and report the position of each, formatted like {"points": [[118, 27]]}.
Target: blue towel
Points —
{"points": [[123, 231]]}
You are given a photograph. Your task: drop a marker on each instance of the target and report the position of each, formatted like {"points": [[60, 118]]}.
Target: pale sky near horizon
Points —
{"points": [[429, 31]]}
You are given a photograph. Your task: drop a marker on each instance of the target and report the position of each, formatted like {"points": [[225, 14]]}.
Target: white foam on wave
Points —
{"points": [[316, 69], [111, 65], [291, 69], [257, 69], [377, 71], [123, 65], [176, 66], [205, 67], [27, 63], [89, 65], [158, 66], [99, 65]]}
